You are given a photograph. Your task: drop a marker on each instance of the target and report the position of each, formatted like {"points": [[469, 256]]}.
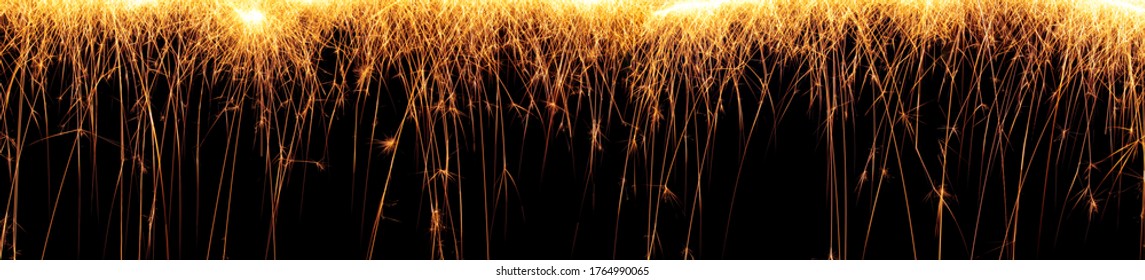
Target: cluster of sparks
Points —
{"points": [[664, 74]]}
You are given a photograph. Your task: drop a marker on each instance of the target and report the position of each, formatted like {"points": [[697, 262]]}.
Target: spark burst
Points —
{"points": [[1003, 90]]}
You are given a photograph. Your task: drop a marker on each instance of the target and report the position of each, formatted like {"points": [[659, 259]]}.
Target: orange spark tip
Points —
{"points": [[389, 145]]}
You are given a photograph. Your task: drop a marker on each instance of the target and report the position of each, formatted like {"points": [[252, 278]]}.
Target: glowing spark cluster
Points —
{"points": [[691, 7], [252, 17], [1004, 90]]}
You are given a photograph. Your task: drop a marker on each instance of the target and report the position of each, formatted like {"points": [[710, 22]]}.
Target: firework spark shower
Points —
{"points": [[590, 129]]}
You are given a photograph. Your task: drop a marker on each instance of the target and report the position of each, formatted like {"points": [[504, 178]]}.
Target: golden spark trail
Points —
{"points": [[1010, 92]]}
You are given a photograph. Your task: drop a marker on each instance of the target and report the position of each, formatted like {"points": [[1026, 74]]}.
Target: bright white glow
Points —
{"points": [[589, 2], [691, 6], [132, 4], [586, 5], [1128, 5], [252, 17]]}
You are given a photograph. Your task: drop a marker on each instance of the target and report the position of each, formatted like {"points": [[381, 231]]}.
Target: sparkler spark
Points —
{"points": [[251, 17], [169, 124], [692, 7]]}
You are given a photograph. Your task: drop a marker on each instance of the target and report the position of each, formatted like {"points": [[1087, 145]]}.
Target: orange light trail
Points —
{"points": [[660, 77]]}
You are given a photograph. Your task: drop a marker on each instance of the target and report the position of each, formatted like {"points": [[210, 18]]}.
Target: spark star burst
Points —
{"points": [[469, 129]]}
